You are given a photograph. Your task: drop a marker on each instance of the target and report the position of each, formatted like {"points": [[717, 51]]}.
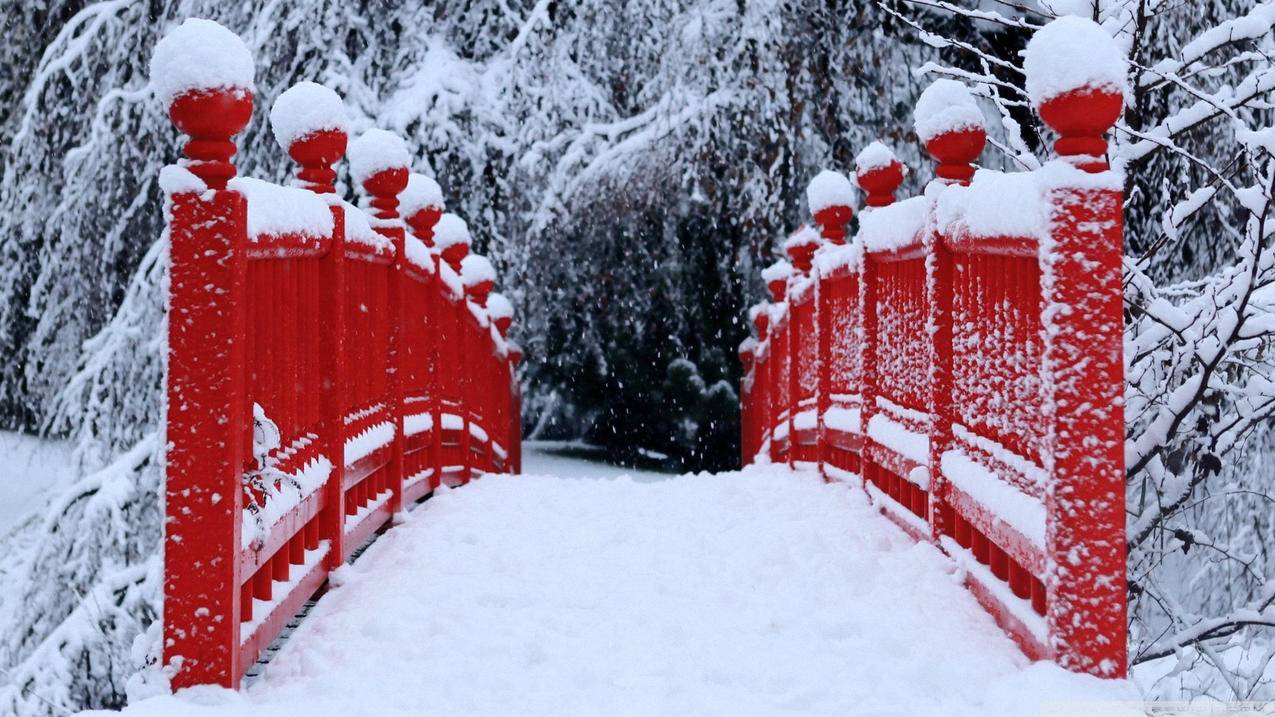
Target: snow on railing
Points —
{"points": [[326, 366], [968, 349]]}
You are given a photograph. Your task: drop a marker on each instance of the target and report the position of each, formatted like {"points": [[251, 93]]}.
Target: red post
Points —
{"points": [[453, 247], [475, 274], [746, 429], [206, 418], [422, 207], [1085, 533], [515, 440], [956, 152], [762, 378], [832, 219], [316, 153], [383, 187]]}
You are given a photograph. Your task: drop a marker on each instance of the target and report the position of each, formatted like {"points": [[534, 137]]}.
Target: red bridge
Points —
{"points": [[330, 365]]}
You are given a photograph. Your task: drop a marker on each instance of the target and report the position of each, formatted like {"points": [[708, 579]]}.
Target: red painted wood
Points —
{"points": [[947, 336], [319, 333], [206, 418]]}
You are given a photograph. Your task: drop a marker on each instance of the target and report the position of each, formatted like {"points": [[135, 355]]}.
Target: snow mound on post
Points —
{"points": [[358, 230], [995, 204], [306, 108], [274, 210], [775, 272], [376, 150], [829, 189], [199, 55], [418, 254], [874, 156], [475, 269], [450, 230], [894, 227], [499, 306], [945, 106], [421, 193], [1070, 53]]}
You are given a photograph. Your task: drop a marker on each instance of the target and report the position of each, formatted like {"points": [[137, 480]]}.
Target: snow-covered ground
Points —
{"points": [[570, 459], [758, 592], [29, 467]]}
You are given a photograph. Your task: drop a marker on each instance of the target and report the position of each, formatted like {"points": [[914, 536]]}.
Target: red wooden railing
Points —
{"points": [[327, 367], [968, 346]]}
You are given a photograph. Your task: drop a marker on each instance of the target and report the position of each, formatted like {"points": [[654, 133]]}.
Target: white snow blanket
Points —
{"points": [[761, 592]]}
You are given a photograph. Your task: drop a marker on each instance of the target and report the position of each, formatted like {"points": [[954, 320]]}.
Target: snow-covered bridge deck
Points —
{"points": [[757, 592]]}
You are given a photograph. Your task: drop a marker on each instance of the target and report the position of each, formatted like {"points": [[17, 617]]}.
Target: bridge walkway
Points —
{"points": [[759, 592]]}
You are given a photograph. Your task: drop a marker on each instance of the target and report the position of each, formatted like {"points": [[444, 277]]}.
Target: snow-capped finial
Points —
{"points": [[776, 277], [831, 197], [501, 312], [950, 124], [421, 205], [310, 123], [203, 73], [200, 56], [378, 163], [451, 238], [800, 247], [761, 320], [514, 351], [879, 173], [1077, 77]]}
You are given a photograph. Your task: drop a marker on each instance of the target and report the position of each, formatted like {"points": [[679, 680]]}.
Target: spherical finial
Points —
{"points": [[501, 312], [831, 197], [776, 277], [451, 238], [203, 73], [309, 121], [761, 320], [378, 163], [879, 173], [950, 124], [800, 247], [1077, 77], [421, 205], [478, 276]]}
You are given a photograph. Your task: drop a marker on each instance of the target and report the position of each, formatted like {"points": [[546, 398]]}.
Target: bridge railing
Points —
{"points": [[968, 346], [326, 366]]}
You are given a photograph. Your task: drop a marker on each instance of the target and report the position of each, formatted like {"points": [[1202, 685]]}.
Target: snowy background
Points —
{"points": [[629, 167]]}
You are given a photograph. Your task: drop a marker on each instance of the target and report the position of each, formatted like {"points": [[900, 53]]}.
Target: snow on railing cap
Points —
{"points": [[779, 271], [1073, 53], [829, 189], [200, 55], [374, 151], [304, 109], [274, 210], [476, 269], [499, 307], [945, 106], [422, 192], [449, 231]]}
